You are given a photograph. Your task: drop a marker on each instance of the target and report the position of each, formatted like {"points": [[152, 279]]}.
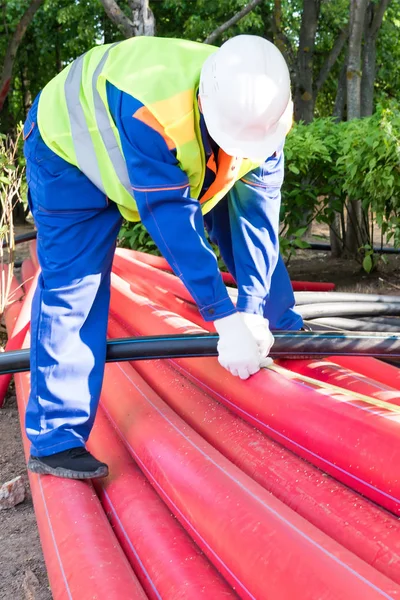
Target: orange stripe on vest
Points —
{"points": [[143, 114], [227, 169]]}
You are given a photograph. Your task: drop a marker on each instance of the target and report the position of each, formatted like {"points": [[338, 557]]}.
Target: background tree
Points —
{"points": [[337, 69], [14, 40], [372, 24]]}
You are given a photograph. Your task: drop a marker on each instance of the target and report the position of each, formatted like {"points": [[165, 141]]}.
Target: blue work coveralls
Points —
{"points": [[77, 229]]}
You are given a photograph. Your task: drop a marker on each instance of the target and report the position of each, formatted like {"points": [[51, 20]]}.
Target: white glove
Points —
{"points": [[259, 327], [237, 348]]}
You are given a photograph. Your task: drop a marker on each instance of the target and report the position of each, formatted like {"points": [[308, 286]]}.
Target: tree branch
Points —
{"points": [[12, 49], [232, 21], [332, 58], [117, 16], [378, 17]]}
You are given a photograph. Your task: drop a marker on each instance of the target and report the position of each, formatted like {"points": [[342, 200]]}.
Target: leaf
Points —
{"points": [[294, 169], [301, 243], [367, 263], [300, 232]]}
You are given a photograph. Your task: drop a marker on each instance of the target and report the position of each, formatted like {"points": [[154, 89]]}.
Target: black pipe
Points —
{"points": [[347, 309], [327, 248], [23, 237], [323, 297], [288, 344]]}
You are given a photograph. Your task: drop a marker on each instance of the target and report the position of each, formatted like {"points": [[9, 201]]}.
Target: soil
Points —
{"points": [[23, 572]]}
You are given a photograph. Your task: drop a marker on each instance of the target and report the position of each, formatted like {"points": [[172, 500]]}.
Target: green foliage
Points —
{"points": [[327, 162], [370, 167], [135, 237], [312, 189]]}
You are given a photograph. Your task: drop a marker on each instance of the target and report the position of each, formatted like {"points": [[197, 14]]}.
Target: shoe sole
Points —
{"points": [[40, 468]]}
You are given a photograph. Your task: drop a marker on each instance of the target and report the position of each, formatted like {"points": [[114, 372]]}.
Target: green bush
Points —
{"points": [[328, 163], [312, 189], [369, 165]]}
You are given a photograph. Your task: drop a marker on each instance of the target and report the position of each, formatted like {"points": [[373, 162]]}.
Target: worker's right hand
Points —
{"points": [[237, 348]]}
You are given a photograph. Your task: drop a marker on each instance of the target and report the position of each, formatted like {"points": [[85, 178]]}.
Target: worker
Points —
{"points": [[186, 138]]}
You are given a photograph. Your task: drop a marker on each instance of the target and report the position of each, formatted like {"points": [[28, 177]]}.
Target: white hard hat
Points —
{"points": [[245, 97]]}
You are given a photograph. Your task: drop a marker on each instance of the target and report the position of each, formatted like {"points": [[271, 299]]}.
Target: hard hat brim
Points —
{"points": [[256, 150]]}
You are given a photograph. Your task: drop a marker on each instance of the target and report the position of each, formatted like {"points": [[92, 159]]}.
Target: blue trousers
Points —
{"points": [[77, 230]]}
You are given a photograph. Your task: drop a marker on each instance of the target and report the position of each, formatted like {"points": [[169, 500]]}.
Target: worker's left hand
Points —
{"points": [[259, 327]]}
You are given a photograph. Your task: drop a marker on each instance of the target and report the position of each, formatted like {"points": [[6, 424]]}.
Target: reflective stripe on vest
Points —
{"points": [[82, 140]]}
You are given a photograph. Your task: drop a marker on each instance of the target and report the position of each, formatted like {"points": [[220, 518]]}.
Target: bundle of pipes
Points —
{"points": [[353, 312], [347, 311], [225, 460], [320, 307]]}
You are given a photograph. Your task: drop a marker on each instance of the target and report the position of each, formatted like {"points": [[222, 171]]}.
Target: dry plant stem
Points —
{"points": [[10, 194]]}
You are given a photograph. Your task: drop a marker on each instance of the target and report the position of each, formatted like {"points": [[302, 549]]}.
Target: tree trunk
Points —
{"points": [[142, 17], [12, 48], [356, 233], [57, 49], [142, 20], [340, 100], [373, 23], [336, 236], [304, 92], [357, 16]]}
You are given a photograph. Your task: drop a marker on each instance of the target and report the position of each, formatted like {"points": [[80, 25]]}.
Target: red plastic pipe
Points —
{"points": [[359, 525], [262, 547], [160, 263], [17, 336], [334, 374], [33, 253], [327, 430], [125, 264], [298, 286], [370, 367], [167, 562], [147, 286], [28, 271], [312, 286], [82, 555]]}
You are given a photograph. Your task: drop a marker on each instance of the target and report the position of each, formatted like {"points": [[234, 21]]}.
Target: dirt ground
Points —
{"points": [[22, 569]]}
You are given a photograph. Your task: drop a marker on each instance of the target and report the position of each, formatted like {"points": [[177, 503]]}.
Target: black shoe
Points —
{"points": [[76, 463]]}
